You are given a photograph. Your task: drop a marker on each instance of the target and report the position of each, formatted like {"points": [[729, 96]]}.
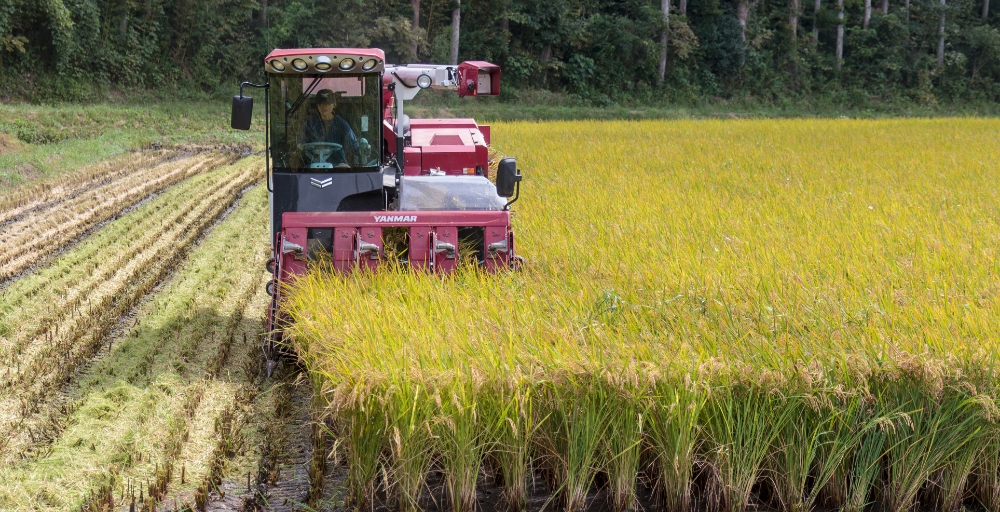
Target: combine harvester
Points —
{"points": [[338, 178]]}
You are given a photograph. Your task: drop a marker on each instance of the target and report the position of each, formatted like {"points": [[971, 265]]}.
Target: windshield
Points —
{"points": [[324, 123], [425, 193]]}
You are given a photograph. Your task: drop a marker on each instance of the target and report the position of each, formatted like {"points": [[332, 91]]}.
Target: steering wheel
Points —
{"points": [[319, 151], [365, 150]]}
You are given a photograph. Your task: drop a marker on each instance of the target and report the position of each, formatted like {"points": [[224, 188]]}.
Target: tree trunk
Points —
{"points": [[840, 33], [868, 14], [263, 13], [940, 52], [793, 18], [123, 28], [885, 6], [742, 13], [456, 18], [684, 7], [816, 9], [546, 52], [661, 68], [416, 23], [907, 11], [986, 9], [505, 24]]}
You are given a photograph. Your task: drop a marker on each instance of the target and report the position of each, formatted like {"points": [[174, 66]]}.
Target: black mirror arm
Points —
{"points": [[517, 193], [251, 84], [267, 128]]}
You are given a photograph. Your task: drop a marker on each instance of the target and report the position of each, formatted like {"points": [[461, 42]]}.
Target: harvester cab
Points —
{"points": [[355, 182]]}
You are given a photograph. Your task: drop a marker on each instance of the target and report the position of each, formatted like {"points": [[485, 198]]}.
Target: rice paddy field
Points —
{"points": [[776, 315], [721, 315]]}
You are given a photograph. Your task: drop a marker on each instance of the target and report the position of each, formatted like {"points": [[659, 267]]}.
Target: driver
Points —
{"points": [[326, 126]]}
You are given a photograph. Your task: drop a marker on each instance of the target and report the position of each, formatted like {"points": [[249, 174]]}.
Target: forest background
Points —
{"points": [[890, 54]]}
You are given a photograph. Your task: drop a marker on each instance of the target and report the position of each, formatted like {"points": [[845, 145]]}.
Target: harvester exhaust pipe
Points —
{"points": [[401, 126]]}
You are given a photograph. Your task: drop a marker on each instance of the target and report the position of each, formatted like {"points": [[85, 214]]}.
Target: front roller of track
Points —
{"points": [[273, 348]]}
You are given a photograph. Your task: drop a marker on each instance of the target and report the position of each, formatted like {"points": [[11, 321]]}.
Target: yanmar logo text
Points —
{"points": [[395, 218]]}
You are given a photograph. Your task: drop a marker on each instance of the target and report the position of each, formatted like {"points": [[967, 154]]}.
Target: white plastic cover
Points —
{"points": [[429, 193]]}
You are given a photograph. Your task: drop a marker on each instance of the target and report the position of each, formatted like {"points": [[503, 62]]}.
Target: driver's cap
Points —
{"points": [[326, 96]]}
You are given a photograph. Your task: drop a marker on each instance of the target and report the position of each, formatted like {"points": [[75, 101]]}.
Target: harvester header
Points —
{"points": [[355, 182]]}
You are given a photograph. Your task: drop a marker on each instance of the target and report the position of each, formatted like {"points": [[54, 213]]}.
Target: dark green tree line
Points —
{"points": [[601, 50]]}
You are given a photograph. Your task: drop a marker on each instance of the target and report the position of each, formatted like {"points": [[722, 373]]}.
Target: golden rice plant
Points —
{"points": [[796, 312]]}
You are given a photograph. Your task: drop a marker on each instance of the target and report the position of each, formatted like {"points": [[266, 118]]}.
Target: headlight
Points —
{"points": [[277, 65], [299, 65], [424, 81], [346, 64], [323, 63], [369, 64]]}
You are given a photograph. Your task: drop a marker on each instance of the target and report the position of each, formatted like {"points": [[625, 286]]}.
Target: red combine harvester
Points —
{"points": [[345, 164]]}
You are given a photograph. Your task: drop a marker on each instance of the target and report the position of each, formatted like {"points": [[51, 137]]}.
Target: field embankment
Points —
{"points": [[793, 314], [39, 142]]}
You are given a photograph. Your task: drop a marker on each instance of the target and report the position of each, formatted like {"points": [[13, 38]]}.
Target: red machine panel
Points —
{"points": [[445, 249], [498, 248], [343, 248], [434, 242], [420, 247], [452, 160], [369, 247], [414, 161], [293, 258]]}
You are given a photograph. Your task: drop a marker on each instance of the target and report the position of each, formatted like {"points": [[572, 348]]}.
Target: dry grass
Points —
{"points": [[821, 296], [164, 408], [9, 144], [46, 216], [52, 322]]}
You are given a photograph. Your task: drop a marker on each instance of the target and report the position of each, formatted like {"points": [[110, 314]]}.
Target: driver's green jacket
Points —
{"points": [[335, 130]]}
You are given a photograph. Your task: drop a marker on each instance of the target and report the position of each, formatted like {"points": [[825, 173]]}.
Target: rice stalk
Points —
{"points": [[987, 473], [623, 442], [365, 436], [865, 471], [511, 424], [936, 428], [459, 442], [408, 409], [796, 452], [673, 428], [743, 420], [578, 409]]}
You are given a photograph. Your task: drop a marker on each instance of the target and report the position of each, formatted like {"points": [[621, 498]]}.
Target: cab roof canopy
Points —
{"points": [[325, 60]]}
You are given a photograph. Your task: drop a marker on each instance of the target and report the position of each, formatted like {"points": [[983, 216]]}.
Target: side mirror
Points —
{"points": [[242, 112], [507, 177]]}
